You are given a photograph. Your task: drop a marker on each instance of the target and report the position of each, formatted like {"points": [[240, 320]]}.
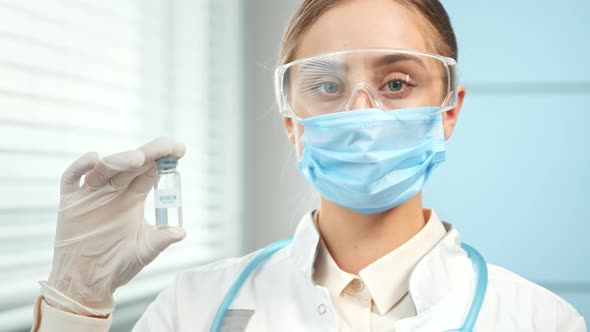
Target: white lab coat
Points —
{"points": [[283, 296]]}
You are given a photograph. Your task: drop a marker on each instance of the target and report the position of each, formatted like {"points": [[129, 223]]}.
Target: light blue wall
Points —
{"points": [[517, 182]]}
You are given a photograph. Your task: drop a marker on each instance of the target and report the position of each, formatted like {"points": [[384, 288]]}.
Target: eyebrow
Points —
{"points": [[392, 58], [323, 65]]}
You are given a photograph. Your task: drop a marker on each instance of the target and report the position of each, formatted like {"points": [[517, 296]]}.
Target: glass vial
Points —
{"points": [[167, 193]]}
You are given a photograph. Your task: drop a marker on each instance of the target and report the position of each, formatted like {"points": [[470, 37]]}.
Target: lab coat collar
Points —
{"points": [[442, 284], [305, 246]]}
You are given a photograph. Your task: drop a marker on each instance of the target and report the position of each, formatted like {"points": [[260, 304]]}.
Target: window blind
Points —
{"points": [[107, 76]]}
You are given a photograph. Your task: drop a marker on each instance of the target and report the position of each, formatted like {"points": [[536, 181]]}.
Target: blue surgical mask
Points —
{"points": [[370, 161]]}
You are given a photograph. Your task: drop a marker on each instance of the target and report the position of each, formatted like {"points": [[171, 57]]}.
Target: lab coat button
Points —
{"points": [[321, 309]]}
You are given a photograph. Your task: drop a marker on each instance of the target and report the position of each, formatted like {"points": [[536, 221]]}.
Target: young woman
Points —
{"points": [[369, 94]]}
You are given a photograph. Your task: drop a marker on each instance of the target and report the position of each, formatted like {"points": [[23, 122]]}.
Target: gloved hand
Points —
{"points": [[102, 239]]}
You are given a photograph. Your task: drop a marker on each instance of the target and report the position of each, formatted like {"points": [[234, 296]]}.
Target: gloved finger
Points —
{"points": [[123, 179], [113, 164], [144, 182], [162, 147], [156, 240], [70, 179], [157, 148]]}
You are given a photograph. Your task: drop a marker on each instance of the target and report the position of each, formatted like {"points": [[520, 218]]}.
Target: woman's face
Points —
{"points": [[360, 24]]}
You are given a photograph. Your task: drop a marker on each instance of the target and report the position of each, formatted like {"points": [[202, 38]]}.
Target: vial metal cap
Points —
{"points": [[167, 162]]}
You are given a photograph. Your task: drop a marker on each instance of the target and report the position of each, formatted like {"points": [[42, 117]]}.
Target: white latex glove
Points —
{"points": [[102, 239]]}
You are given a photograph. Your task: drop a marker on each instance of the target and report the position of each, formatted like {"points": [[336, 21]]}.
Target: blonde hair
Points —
{"points": [[431, 12]]}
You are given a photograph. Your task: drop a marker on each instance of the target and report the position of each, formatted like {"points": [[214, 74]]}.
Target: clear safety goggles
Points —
{"points": [[388, 79]]}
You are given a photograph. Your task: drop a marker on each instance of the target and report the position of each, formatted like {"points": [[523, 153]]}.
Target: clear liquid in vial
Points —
{"points": [[167, 194], [169, 217]]}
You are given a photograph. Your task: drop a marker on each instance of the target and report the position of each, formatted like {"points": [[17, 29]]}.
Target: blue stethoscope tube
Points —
{"points": [[476, 304]]}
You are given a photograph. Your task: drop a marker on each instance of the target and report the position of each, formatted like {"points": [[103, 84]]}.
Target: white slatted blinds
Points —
{"points": [[83, 75]]}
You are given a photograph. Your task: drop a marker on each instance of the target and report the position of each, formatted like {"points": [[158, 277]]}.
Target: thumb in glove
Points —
{"points": [[156, 240]]}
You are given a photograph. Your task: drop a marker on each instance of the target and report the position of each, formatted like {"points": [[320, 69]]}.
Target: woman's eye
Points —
{"points": [[328, 87], [395, 85]]}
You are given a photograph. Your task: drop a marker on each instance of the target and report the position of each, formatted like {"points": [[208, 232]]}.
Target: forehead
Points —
{"points": [[357, 24]]}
